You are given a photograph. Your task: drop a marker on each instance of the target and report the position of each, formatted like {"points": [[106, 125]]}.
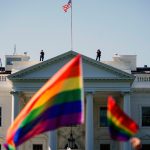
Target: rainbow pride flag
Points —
{"points": [[121, 126], [58, 103]]}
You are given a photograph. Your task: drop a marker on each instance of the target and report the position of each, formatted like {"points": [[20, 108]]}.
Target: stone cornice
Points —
{"points": [[106, 78], [85, 79], [30, 79], [106, 89], [140, 90]]}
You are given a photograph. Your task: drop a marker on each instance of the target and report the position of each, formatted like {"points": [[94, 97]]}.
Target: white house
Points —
{"points": [[121, 78]]}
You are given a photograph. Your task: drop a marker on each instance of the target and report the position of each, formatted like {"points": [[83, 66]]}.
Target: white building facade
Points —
{"points": [[128, 84]]}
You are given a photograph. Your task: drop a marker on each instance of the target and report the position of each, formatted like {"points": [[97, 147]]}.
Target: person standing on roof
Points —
{"points": [[98, 55], [41, 55]]}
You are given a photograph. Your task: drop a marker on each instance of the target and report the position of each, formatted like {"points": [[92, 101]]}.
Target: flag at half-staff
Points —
{"points": [[58, 103], [121, 126]]}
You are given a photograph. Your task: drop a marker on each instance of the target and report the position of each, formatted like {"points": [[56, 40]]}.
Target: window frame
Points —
{"points": [[10, 60], [110, 142], [105, 144], [99, 120], [141, 117], [40, 139], [145, 144], [146, 141], [36, 144]]}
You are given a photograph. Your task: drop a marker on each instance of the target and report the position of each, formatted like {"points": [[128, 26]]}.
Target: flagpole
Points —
{"points": [[71, 29]]}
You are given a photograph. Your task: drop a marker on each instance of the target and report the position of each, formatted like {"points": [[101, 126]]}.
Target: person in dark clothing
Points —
{"points": [[41, 55], [98, 55]]}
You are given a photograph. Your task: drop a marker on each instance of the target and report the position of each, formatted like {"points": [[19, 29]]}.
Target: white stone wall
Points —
{"points": [[138, 100], [101, 135], [6, 105]]}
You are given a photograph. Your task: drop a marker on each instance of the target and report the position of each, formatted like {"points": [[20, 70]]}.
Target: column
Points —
{"points": [[126, 103], [15, 104], [89, 141], [53, 140], [127, 110]]}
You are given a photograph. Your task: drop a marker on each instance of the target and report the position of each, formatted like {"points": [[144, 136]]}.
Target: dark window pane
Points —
{"points": [[103, 117], [145, 146], [104, 146], [9, 61], [145, 116], [37, 147]]}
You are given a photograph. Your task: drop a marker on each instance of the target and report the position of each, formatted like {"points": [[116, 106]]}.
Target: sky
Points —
{"points": [[114, 26]]}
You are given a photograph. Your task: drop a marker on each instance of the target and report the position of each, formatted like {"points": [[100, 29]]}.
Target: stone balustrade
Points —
{"points": [[3, 78], [142, 78], [141, 81]]}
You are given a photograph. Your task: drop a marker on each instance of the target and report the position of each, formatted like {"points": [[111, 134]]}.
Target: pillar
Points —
{"points": [[89, 141], [15, 104], [127, 110], [53, 140]]}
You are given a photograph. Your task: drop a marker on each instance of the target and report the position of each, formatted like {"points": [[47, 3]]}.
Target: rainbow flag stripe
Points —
{"points": [[58, 103], [121, 126]]}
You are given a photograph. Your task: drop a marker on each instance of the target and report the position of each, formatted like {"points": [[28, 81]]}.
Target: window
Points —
{"points": [[145, 146], [104, 146], [103, 117], [145, 116], [2, 78], [9, 61], [37, 147]]}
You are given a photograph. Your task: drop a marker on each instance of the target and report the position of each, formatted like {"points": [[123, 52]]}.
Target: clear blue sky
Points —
{"points": [[114, 26]]}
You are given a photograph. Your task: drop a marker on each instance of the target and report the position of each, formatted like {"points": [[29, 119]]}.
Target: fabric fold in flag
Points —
{"points": [[67, 6], [121, 126], [58, 103]]}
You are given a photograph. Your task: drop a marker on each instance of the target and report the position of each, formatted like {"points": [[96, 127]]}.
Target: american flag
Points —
{"points": [[67, 6]]}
